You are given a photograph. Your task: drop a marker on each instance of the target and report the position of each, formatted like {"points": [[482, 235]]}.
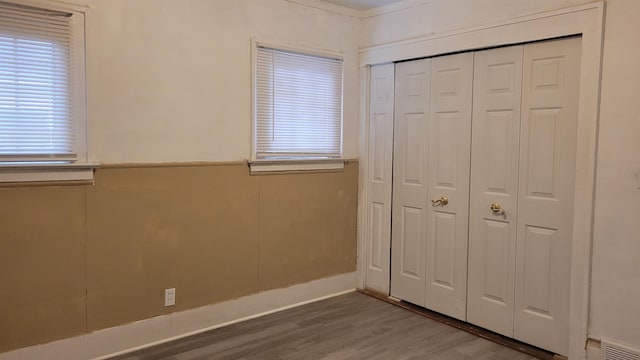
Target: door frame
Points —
{"points": [[585, 20]]}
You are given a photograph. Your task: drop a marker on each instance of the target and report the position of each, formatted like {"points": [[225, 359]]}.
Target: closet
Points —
{"points": [[432, 134], [472, 159]]}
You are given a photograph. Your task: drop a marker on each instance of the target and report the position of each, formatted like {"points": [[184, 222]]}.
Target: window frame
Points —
{"points": [[270, 165], [80, 169]]}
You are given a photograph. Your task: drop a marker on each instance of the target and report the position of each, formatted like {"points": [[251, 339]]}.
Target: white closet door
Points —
{"points": [[378, 207], [545, 194], [449, 153], [494, 180], [410, 164]]}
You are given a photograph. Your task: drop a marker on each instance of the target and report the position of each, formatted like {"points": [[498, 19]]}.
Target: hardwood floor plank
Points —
{"points": [[348, 327]]}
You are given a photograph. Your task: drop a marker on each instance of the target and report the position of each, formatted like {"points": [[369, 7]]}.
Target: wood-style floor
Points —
{"points": [[352, 326]]}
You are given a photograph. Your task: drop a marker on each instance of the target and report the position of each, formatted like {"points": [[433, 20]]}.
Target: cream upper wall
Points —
{"points": [[615, 293], [170, 80], [616, 270]]}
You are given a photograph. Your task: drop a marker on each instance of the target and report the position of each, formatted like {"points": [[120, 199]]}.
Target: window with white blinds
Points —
{"points": [[36, 85], [298, 105]]}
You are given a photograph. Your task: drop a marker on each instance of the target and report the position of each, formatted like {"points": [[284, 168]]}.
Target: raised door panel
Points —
{"points": [[411, 125], [445, 126], [494, 179], [543, 159], [449, 152], [496, 284], [411, 263], [539, 266], [379, 178], [545, 195], [444, 246], [376, 251]]}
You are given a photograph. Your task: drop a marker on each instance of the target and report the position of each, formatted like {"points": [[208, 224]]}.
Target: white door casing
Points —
{"points": [[548, 141], [378, 207], [410, 177], [522, 165], [494, 179], [587, 20], [449, 152]]}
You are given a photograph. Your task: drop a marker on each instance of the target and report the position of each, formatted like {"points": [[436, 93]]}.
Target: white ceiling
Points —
{"points": [[362, 4]]}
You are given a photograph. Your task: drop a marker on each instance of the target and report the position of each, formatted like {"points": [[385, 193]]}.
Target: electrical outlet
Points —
{"points": [[169, 297]]}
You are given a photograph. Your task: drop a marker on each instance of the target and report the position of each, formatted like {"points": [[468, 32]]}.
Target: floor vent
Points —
{"points": [[617, 352]]}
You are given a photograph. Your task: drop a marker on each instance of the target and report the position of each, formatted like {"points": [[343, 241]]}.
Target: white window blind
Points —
{"points": [[298, 105], [36, 85]]}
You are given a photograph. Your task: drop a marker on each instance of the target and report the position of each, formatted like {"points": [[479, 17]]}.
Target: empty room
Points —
{"points": [[319, 179]]}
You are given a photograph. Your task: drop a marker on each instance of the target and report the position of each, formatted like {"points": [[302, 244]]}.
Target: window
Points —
{"points": [[298, 105], [41, 88]]}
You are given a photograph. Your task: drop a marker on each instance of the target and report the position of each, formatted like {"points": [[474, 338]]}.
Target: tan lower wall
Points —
{"points": [[42, 265], [76, 259]]}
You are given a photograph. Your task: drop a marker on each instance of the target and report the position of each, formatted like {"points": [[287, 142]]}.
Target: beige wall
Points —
{"points": [[42, 264], [615, 293], [170, 80], [81, 258]]}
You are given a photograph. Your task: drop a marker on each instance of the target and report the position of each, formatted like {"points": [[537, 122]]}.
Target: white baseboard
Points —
{"points": [[594, 349], [118, 340]]}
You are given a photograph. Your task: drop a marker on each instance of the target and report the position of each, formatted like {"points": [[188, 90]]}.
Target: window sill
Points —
{"points": [[295, 165], [45, 174]]}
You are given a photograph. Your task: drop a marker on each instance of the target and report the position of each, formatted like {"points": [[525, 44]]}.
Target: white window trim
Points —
{"points": [[81, 169], [269, 166], [80, 6], [283, 165], [47, 172]]}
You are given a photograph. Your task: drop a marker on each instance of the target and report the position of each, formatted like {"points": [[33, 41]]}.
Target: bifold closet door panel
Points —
{"points": [[410, 169], [448, 189], [545, 194], [378, 207], [494, 185]]}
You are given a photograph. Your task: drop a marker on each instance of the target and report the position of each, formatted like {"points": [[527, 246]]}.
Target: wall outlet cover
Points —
{"points": [[169, 297]]}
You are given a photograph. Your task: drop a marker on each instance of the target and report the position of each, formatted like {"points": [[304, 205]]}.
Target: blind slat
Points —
{"points": [[36, 84], [298, 105]]}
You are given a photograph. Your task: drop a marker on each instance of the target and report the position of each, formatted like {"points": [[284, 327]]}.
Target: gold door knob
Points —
{"points": [[497, 209], [442, 201]]}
